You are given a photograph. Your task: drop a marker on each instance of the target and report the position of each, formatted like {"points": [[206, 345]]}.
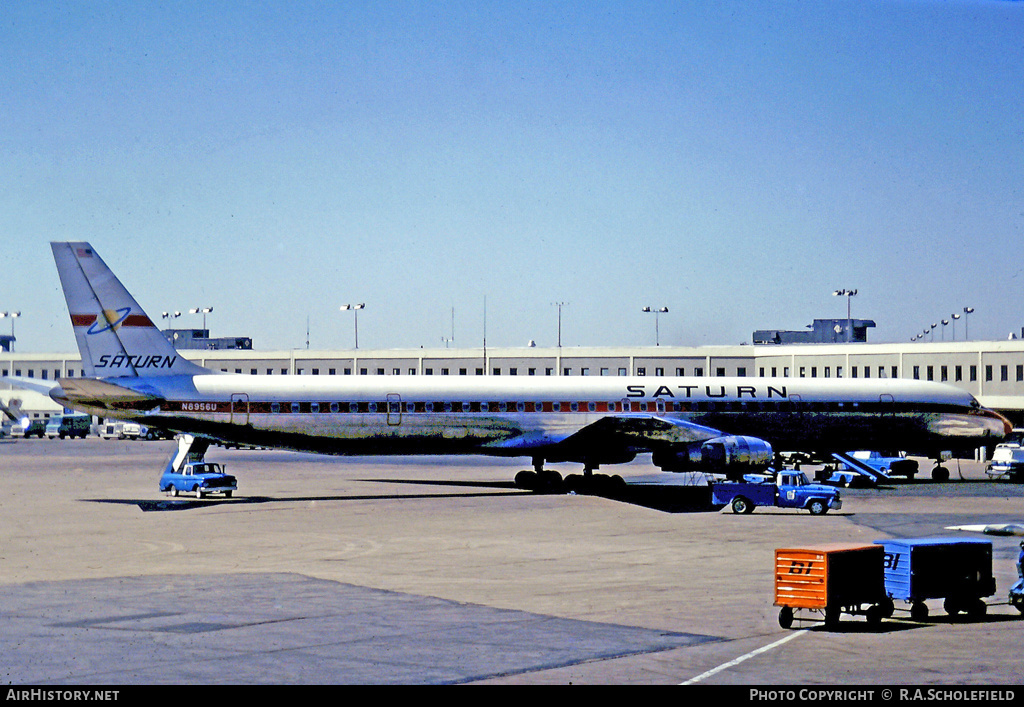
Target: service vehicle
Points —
{"points": [[1017, 596], [130, 430], [832, 580], [1008, 457], [30, 427], [69, 426], [956, 570], [788, 489], [199, 477]]}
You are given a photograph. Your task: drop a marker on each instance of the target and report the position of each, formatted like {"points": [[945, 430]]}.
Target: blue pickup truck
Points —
{"points": [[790, 489], [200, 478]]}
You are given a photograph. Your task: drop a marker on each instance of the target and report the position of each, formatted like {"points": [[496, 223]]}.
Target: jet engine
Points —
{"points": [[733, 456]]}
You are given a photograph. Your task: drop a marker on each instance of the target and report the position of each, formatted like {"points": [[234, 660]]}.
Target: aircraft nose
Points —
{"points": [[1006, 424]]}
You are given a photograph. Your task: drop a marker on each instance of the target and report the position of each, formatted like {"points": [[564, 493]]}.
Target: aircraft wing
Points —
{"points": [[615, 433], [993, 529], [643, 431]]}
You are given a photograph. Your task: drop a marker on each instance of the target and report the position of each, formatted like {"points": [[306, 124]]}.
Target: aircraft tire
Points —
{"points": [[526, 480], [549, 481]]}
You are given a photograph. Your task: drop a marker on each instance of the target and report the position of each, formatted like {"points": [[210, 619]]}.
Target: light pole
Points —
{"points": [[355, 313], [13, 316], [955, 316], [204, 311], [967, 330], [849, 322], [657, 330], [559, 305]]}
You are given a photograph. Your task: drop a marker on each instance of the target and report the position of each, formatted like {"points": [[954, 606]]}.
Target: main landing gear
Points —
{"points": [[940, 473], [541, 480]]}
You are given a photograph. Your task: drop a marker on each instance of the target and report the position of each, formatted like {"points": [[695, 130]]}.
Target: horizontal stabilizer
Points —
{"points": [[33, 384], [101, 394]]}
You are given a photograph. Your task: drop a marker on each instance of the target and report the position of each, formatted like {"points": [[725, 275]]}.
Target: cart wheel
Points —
{"points": [[874, 615], [919, 612], [786, 617], [976, 609], [951, 606], [888, 608], [832, 617]]}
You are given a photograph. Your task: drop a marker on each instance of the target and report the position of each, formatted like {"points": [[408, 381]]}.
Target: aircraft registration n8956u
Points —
{"points": [[729, 425]]}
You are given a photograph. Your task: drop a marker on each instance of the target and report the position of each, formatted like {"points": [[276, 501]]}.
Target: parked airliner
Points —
{"points": [[725, 424]]}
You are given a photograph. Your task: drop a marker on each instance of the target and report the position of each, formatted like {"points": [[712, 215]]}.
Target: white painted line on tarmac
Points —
{"points": [[737, 661]]}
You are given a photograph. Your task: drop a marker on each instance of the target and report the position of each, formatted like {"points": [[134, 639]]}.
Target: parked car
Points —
{"points": [[1008, 457], [69, 426]]}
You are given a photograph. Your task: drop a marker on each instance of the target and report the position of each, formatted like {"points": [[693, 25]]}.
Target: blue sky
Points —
{"points": [[734, 161]]}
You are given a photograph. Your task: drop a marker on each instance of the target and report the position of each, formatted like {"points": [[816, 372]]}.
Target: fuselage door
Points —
{"points": [[239, 409], [887, 404], [394, 409]]}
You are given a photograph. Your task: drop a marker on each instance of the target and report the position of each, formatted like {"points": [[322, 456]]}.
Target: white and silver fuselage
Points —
{"points": [[526, 416]]}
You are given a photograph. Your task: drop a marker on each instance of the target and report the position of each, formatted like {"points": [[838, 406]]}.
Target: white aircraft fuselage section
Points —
{"points": [[524, 415]]}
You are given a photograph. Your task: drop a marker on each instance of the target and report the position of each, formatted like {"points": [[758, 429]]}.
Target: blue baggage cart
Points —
{"points": [[956, 570]]}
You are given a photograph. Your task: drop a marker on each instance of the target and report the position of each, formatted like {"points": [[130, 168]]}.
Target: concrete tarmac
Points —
{"points": [[436, 570]]}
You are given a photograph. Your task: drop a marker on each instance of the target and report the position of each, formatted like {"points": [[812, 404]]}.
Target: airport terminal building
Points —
{"points": [[991, 370]]}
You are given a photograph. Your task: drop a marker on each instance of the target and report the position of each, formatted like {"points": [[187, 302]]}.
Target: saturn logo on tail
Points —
{"points": [[111, 321]]}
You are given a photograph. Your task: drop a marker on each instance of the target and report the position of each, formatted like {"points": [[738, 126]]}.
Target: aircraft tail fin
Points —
{"points": [[115, 337]]}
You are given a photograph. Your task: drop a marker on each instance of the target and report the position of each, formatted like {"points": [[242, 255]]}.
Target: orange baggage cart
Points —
{"points": [[831, 580]]}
